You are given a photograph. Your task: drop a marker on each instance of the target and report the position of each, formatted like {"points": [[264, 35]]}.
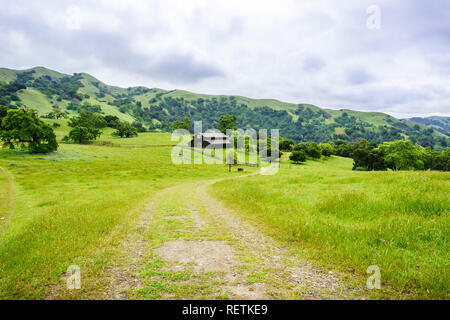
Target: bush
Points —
{"points": [[88, 119], [327, 149], [286, 144], [85, 127], [81, 134], [125, 130], [185, 124], [301, 146], [314, 151], [311, 149], [112, 121], [298, 156], [343, 149]]}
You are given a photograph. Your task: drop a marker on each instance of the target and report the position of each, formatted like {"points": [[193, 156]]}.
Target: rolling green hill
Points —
{"points": [[441, 124], [157, 109]]}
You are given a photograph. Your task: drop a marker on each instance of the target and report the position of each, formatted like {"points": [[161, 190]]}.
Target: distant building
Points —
{"points": [[215, 138]]}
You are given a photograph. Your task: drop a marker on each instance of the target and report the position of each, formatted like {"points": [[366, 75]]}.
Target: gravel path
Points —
{"points": [[226, 257]]}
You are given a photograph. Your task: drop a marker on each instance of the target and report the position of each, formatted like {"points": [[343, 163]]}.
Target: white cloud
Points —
{"points": [[73, 16], [318, 51]]}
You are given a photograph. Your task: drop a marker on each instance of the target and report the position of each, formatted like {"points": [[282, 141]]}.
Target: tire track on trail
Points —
{"points": [[187, 245]]}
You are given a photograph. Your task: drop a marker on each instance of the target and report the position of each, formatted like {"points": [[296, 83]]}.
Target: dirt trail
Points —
{"points": [[193, 247]]}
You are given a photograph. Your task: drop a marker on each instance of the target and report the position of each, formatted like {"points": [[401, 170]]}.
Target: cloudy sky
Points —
{"points": [[390, 56]]}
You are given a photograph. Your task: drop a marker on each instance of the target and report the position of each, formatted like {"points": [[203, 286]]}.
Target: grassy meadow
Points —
{"points": [[73, 205], [349, 220]]}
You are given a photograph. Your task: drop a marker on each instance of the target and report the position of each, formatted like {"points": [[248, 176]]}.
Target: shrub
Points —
{"points": [[185, 124], [286, 144], [125, 130], [314, 151], [298, 156], [81, 134], [326, 149]]}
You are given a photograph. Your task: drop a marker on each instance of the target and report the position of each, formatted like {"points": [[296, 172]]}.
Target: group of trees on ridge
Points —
{"points": [[309, 125], [302, 124], [87, 126], [8, 92], [398, 155], [367, 156], [64, 88], [24, 129]]}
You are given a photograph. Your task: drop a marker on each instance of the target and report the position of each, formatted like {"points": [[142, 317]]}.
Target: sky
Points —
{"points": [[387, 56]]}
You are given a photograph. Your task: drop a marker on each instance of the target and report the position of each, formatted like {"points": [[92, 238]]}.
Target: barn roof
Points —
{"points": [[214, 135]]}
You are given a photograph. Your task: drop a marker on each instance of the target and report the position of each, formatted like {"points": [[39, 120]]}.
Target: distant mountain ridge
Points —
{"points": [[441, 124], [158, 108]]}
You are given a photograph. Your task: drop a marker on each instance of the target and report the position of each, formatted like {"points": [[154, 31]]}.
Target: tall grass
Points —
{"points": [[344, 219], [5, 197], [70, 202]]}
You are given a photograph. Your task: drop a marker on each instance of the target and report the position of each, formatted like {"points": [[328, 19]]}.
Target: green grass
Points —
{"points": [[70, 205], [34, 99], [144, 139], [7, 75], [73, 207], [344, 219], [109, 109], [6, 198]]}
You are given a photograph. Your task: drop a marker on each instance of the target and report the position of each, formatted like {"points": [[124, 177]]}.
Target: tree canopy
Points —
{"points": [[327, 149], [23, 128], [227, 122], [397, 155], [86, 127], [286, 144], [298, 156], [125, 130], [185, 124]]}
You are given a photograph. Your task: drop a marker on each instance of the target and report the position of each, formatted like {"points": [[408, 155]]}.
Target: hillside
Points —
{"points": [[157, 109], [441, 124]]}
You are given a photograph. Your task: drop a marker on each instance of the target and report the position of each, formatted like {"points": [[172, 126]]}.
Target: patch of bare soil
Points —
{"points": [[256, 291], [206, 255]]}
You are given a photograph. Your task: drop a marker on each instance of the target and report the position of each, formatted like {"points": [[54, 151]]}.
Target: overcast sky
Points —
{"points": [[394, 57]]}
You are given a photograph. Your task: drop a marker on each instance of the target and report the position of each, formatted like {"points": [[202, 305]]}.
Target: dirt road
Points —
{"points": [[193, 247]]}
